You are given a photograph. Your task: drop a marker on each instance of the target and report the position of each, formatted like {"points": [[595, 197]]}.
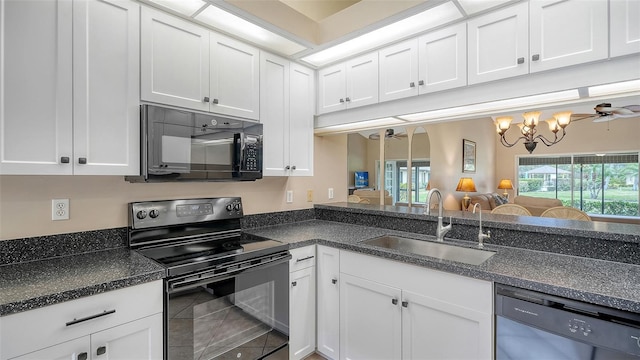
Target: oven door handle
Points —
{"points": [[175, 285]]}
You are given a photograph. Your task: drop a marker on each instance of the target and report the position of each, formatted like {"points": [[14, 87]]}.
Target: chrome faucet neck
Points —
{"points": [[440, 230]]}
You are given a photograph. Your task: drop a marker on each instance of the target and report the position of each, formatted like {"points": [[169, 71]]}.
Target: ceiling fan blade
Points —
{"points": [[579, 117], [634, 108], [622, 111], [605, 118]]}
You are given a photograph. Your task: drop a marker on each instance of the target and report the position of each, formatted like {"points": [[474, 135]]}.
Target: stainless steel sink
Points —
{"points": [[432, 249]]}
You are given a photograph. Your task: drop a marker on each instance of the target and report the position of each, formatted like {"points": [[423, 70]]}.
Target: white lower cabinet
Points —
{"points": [[120, 324], [302, 303], [391, 310], [328, 295]]}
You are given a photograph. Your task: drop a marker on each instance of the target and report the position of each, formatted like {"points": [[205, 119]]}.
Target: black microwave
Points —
{"points": [[182, 145]]}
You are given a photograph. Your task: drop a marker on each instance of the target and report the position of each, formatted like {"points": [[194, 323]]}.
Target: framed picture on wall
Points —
{"points": [[468, 156]]}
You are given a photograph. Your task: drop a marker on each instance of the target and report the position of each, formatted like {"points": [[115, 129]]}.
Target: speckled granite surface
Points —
{"points": [[596, 281], [34, 284]]}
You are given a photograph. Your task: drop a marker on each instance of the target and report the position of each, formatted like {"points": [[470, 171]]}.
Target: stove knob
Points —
{"points": [[141, 214], [237, 207], [154, 213], [229, 207]]}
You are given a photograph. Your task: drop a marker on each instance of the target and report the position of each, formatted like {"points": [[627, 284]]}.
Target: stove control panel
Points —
{"points": [[174, 212]]}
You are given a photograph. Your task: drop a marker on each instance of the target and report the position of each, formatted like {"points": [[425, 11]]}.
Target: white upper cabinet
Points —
{"points": [[174, 61], [499, 44], [36, 89], [399, 70], [332, 88], [567, 32], [106, 87], [69, 87], [302, 107], [348, 85], [189, 66], [235, 78], [362, 81], [442, 59], [624, 22], [286, 112]]}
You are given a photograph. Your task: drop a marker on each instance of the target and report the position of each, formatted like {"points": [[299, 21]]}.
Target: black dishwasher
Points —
{"points": [[532, 325]]}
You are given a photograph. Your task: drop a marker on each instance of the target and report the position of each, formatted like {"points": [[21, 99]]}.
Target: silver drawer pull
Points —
{"points": [[104, 313], [305, 258]]}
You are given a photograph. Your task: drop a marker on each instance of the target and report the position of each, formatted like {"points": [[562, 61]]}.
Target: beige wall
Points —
{"points": [[582, 137], [100, 202]]}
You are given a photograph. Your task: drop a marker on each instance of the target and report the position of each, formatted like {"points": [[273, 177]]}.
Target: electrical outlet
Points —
{"points": [[289, 196], [330, 193], [309, 195], [60, 209]]}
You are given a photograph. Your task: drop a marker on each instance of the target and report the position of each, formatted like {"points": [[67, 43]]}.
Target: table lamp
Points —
{"points": [[466, 184], [505, 184]]}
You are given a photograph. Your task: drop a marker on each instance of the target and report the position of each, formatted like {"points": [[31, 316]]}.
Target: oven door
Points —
{"points": [[239, 312]]}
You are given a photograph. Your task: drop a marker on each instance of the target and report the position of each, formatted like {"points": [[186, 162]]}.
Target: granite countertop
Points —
{"points": [[33, 284], [596, 281]]}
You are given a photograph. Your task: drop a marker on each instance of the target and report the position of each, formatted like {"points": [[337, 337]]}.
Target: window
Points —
{"points": [[604, 184], [396, 180]]}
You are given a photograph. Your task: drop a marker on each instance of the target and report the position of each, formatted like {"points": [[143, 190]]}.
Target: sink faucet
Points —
{"points": [[440, 230], [481, 235]]}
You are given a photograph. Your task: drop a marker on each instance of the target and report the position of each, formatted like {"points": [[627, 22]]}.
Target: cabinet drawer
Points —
{"points": [[302, 258], [39, 328]]}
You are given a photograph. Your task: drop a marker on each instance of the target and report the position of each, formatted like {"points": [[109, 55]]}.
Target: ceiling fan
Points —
{"points": [[605, 112], [388, 134]]}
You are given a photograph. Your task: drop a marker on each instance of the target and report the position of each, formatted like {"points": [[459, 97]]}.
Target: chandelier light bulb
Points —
{"points": [[531, 118], [553, 125], [563, 118]]}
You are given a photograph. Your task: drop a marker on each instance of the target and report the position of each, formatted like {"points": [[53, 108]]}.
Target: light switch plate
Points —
{"points": [[289, 196], [330, 193]]}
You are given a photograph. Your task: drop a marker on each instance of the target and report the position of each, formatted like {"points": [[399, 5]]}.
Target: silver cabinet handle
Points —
{"points": [[421, 82], [405, 304], [520, 60], [64, 160], [294, 283], [104, 313], [101, 350], [82, 161], [305, 258], [215, 101], [535, 57], [347, 99], [394, 301], [287, 167], [334, 281], [206, 99], [412, 84], [341, 101], [293, 167], [82, 356]]}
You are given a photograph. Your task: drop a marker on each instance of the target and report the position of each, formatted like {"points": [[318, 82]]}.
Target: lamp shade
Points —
{"points": [[505, 184], [466, 184]]}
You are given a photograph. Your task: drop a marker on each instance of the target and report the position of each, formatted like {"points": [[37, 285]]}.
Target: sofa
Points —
{"points": [[374, 196], [536, 205], [488, 201]]}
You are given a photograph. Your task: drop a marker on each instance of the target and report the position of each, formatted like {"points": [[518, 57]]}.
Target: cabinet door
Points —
{"points": [[498, 44], [274, 113], [567, 32], [443, 59], [106, 63], [35, 87], [140, 339], [235, 78], [174, 61], [362, 80], [302, 313], [433, 329], [302, 82], [399, 71], [370, 320], [624, 18], [71, 350], [332, 89], [328, 329]]}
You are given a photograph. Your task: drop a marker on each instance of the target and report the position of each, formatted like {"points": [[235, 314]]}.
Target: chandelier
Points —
{"points": [[528, 129]]}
